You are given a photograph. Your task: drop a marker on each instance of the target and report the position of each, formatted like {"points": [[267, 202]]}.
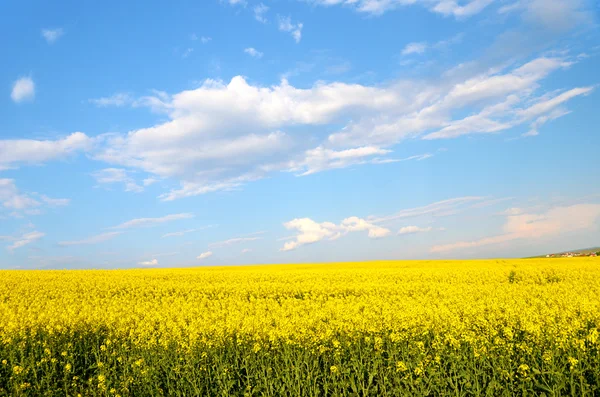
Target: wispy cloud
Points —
{"points": [[119, 99], [414, 48], [25, 239], [109, 176], [295, 29], [253, 52], [91, 240], [439, 208], [259, 12], [52, 35], [521, 225], [184, 232], [232, 241], [147, 222]]}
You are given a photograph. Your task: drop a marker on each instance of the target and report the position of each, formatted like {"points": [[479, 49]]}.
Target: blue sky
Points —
{"points": [[151, 134]]}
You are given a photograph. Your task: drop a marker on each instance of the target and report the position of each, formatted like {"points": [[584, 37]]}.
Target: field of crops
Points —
{"points": [[460, 328]]}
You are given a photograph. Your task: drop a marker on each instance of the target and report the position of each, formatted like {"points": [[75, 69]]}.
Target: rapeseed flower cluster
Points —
{"points": [[380, 327]]}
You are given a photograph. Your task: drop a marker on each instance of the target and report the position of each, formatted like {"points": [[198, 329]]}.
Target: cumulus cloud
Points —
{"points": [[147, 222], [525, 225], [23, 90], [153, 262], [204, 255], [91, 240], [295, 29], [254, 53], [51, 35], [109, 176], [310, 232]]}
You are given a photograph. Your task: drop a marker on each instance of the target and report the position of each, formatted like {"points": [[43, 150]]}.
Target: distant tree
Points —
{"points": [[598, 253]]}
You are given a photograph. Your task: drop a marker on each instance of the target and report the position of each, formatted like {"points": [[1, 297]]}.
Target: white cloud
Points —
{"points": [[522, 225], [52, 202], [24, 204], [117, 175], [146, 222], [14, 152], [23, 90], [310, 231], [232, 241], [253, 52], [259, 12], [91, 240], [556, 15], [150, 181], [320, 159], [119, 99], [221, 136], [414, 48], [295, 29], [204, 255], [355, 224], [205, 39], [187, 52], [25, 239], [153, 262], [11, 198], [545, 106], [444, 7], [246, 250], [51, 35], [184, 232], [414, 229], [437, 209]]}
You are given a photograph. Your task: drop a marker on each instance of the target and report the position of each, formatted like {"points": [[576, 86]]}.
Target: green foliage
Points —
{"points": [[91, 365]]}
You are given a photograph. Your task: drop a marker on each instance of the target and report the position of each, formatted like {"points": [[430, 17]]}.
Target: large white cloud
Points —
{"points": [[221, 136]]}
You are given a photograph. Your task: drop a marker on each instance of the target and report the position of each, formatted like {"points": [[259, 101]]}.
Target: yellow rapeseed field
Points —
{"points": [[481, 327]]}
